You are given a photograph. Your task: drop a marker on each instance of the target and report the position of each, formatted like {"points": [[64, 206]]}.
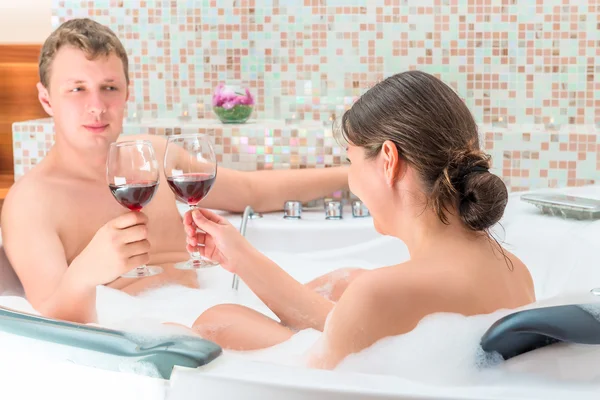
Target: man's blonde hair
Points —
{"points": [[89, 36]]}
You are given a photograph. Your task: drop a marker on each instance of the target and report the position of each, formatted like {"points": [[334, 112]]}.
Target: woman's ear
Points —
{"points": [[391, 162]]}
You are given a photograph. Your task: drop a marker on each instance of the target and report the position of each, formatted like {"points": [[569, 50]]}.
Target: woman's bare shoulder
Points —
{"points": [[379, 303], [414, 290], [455, 286], [425, 287], [409, 275]]}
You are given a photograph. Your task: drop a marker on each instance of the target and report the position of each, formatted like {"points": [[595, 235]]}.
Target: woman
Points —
{"points": [[417, 165]]}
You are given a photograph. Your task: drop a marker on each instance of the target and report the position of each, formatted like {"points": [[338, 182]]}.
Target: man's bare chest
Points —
{"points": [[80, 214]]}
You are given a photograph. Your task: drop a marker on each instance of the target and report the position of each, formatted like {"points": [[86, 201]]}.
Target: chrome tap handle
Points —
{"points": [[292, 210], [333, 209], [359, 209]]}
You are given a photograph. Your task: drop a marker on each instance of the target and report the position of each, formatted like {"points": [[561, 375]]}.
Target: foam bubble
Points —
{"points": [[149, 331], [591, 308], [325, 290], [486, 360], [442, 350], [183, 305], [293, 352], [140, 367]]}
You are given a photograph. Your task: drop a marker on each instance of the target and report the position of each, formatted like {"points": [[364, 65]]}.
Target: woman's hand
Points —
{"points": [[220, 241]]}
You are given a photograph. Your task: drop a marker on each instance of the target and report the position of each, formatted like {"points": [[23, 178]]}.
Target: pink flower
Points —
{"points": [[248, 99], [228, 105], [227, 92], [216, 100], [227, 97]]}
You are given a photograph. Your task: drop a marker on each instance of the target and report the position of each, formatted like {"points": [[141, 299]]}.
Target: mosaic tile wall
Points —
{"points": [[528, 69], [520, 61], [528, 158]]}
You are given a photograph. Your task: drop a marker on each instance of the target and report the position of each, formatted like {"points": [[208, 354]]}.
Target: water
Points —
{"points": [[443, 350], [140, 368]]}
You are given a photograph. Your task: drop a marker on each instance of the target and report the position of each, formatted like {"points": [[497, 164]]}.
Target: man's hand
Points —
{"points": [[119, 246]]}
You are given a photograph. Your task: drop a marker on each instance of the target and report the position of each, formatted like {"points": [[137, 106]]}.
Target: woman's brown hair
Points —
{"points": [[436, 134]]}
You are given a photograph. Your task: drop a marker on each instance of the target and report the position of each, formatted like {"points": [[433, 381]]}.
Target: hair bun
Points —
{"points": [[482, 196]]}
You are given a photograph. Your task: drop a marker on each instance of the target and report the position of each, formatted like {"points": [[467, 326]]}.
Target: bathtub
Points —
{"points": [[561, 255]]}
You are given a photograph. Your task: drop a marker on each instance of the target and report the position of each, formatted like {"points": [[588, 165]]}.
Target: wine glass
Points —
{"points": [[191, 170], [132, 175]]}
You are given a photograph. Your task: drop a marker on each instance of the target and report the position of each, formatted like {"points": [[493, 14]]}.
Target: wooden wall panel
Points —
{"points": [[18, 95]]}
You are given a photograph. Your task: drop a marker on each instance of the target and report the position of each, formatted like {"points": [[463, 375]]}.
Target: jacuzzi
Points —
{"points": [[561, 255]]}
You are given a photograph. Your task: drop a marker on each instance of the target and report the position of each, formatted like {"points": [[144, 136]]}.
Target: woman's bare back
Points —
{"points": [[469, 279]]}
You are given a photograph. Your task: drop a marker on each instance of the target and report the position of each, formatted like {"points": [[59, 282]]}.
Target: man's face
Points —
{"points": [[86, 97]]}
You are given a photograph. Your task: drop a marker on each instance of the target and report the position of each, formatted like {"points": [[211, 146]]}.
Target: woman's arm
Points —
{"points": [[376, 305], [379, 303], [297, 306]]}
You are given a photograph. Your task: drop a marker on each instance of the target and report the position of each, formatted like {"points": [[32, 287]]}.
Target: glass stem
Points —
{"points": [[195, 255], [141, 270]]}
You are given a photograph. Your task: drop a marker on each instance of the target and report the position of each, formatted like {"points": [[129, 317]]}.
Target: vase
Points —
{"points": [[238, 114], [231, 104]]}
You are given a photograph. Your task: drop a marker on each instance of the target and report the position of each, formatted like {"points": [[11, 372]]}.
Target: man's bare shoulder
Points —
{"points": [[30, 195]]}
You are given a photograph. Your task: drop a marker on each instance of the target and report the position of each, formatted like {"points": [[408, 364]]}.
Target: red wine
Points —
{"points": [[134, 195], [191, 188]]}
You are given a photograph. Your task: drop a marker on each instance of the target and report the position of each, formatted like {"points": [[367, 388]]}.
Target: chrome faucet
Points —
{"points": [[359, 209], [333, 209], [292, 210], [248, 214]]}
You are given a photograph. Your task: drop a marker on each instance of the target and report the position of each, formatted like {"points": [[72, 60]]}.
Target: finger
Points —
{"points": [[211, 216], [190, 230], [136, 261], [192, 241], [193, 249], [188, 224], [130, 219], [196, 239], [203, 223], [137, 248], [210, 249], [134, 233], [187, 218]]}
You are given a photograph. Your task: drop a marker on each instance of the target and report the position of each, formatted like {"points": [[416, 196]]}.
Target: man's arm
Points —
{"points": [[268, 190], [265, 190], [37, 255]]}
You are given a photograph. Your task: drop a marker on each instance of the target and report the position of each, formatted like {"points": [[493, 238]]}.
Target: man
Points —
{"points": [[64, 233]]}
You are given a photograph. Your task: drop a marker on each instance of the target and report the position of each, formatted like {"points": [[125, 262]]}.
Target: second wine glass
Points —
{"points": [[191, 170], [132, 175]]}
